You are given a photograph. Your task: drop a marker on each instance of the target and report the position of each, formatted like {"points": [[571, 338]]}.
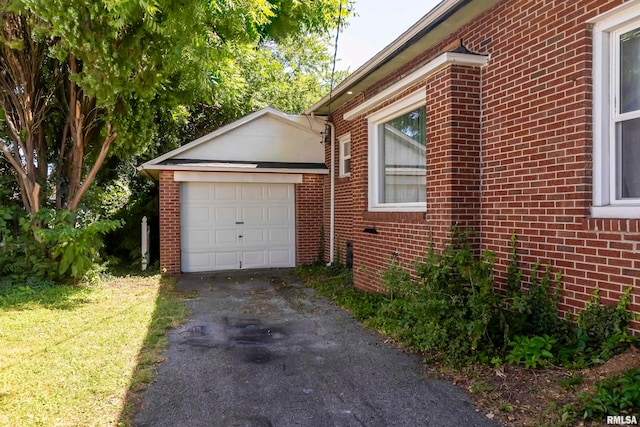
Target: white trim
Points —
{"points": [[442, 61], [409, 103], [268, 111], [615, 16], [231, 169], [607, 29], [619, 212], [393, 48], [342, 141], [237, 177], [332, 195]]}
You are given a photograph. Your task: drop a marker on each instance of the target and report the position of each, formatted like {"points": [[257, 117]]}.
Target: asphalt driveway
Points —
{"points": [[261, 350]]}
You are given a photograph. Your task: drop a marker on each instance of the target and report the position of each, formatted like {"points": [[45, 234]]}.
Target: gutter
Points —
{"points": [[432, 19], [332, 212]]}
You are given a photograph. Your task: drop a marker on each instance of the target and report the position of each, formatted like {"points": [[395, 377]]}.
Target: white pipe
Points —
{"points": [[332, 215]]}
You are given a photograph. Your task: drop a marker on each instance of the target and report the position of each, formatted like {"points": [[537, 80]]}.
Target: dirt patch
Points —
{"points": [[516, 396]]}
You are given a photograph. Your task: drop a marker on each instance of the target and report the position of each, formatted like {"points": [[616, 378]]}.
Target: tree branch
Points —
{"points": [[104, 150]]}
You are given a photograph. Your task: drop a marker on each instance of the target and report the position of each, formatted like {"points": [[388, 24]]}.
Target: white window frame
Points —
{"points": [[406, 104], [606, 60], [342, 141]]}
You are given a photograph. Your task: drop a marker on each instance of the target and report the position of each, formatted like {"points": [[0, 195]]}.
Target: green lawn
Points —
{"points": [[76, 356]]}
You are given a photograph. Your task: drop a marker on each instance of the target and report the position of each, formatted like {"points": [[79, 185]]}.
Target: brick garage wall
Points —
{"points": [[309, 212], [169, 223], [534, 145]]}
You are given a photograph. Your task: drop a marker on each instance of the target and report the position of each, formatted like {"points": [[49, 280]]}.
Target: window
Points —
{"points": [[616, 108], [397, 156], [345, 155]]}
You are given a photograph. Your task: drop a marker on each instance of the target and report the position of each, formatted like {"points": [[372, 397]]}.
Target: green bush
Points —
{"points": [[50, 245], [619, 395], [532, 351], [450, 308], [605, 326]]}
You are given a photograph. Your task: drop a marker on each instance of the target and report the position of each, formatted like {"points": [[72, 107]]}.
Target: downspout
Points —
{"points": [[332, 195]]}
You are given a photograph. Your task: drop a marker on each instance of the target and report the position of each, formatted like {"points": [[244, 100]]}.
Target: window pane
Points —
{"points": [[630, 159], [403, 158], [347, 166], [630, 71], [347, 148]]}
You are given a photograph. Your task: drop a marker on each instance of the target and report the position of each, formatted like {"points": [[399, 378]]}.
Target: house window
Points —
{"points": [[616, 151], [397, 156], [345, 155]]}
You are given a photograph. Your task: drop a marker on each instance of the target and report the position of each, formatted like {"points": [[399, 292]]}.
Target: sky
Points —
{"points": [[377, 25]]}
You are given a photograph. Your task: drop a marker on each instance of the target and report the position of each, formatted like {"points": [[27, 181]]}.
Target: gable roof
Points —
{"points": [[439, 23], [266, 139]]}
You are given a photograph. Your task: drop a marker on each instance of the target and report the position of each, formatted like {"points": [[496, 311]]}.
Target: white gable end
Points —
{"points": [[265, 139]]}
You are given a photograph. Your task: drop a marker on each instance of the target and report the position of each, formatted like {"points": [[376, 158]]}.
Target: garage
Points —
{"points": [[245, 196], [228, 226]]}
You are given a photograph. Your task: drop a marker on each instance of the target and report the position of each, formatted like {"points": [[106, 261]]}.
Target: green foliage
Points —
{"points": [[532, 311], [337, 285], [619, 395], [51, 245], [605, 326], [118, 69], [451, 309], [533, 352]]}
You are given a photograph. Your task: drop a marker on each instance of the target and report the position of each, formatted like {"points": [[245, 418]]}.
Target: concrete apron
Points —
{"points": [[261, 350]]}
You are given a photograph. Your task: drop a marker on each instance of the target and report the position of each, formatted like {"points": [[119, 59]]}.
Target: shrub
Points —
{"points": [[619, 395], [51, 245], [451, 308], [605, 326], [532, 351]]}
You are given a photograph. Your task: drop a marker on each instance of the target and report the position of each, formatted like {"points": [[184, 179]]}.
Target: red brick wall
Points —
{"points": [[309, 215], [453, 151], [169, 223], [519, 131]]}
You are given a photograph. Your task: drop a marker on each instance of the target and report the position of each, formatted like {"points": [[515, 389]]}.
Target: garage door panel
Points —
{"points": [[279, 215], [197, 216], [215, 215], [225, 214], [254, 259], [252, 192], [197, 262], [226, 260], [253, 236], [280, 257], [196, 239], [226, 238], [279, 192], [223, 191], [254, 215], [279, 236], [196, 191]]}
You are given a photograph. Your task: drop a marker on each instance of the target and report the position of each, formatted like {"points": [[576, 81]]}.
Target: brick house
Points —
{"points": [[529, 114], [504, 116]]}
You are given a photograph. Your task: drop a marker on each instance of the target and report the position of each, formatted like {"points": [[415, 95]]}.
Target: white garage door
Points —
{"points": [[227, 226]]}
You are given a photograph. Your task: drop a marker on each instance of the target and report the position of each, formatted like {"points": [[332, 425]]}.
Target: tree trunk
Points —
{"points": [[24, 109]]}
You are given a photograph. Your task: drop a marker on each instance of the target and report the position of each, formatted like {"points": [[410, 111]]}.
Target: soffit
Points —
{"points": [[393, 58]]}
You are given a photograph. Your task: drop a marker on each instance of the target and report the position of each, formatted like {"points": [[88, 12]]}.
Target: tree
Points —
{"points": [[81, 81]]}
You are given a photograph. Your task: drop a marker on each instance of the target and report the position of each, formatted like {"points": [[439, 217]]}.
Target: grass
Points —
{"points": [[80, 355]]}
